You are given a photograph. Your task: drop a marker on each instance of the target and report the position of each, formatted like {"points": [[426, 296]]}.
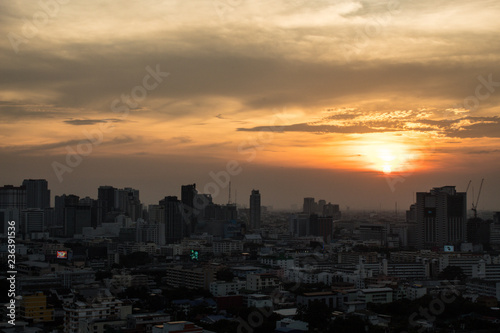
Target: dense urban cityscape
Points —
{"points": [[187, 264], [231, 166]]}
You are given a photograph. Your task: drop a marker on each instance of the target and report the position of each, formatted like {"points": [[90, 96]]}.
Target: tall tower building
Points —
{"points": [[37, 193], [309, 206], [441, 216], [13, 197], [105, 202], [32, 221], [255, 209], [174, 224], [188, 194], [127, 201]]}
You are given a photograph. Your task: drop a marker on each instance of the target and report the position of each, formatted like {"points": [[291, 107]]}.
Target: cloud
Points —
{"points": [[54, 147], [361, 122], [80, 122]]}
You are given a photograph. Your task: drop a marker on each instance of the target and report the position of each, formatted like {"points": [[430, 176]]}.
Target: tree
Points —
{"points": [[225, 274], [351, 324], [317, 315], [452, 273], [135, 259]]}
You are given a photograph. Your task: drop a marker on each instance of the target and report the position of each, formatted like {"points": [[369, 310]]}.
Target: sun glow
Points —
{"points": [[386, 156]]}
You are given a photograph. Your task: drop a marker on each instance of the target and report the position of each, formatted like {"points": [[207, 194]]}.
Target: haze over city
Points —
{"points": [[362, 103]]}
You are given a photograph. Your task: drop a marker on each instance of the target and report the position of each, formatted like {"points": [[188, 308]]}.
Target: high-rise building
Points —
{"points": [[255, 209], [188, 194], [32, 221], [174, 223], [309, 206], [299, 225], [13, 197], [76, 218], [332, 210], [127, 201], [61, 202], [37, 193], [6, 215], [321, 226], [105, 202], [441, 216]]}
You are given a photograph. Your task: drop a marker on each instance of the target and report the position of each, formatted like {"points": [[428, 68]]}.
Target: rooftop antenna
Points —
{"points": [[229, 199]]}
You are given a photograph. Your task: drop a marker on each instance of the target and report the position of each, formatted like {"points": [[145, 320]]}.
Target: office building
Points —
{"points": [[174, 223], [13, 197], [37, 193], [332, 210], [32, 221], [34, 307], [105, 203], [321, 226], [309, 206], [255, 212], [441, 216], [188, 195]]}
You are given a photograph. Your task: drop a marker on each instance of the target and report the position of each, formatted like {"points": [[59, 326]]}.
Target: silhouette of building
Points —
{"points": [[255, 212], [441, 216], [127, 201], [32, 221], [188, 194], [332, 210], [37, 193], [105, 203], [309, 206], [174, 223], [321, 226], [13, 197]]}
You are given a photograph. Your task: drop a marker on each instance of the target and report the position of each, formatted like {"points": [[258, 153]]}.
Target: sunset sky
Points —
{"points": [[361, 103]]}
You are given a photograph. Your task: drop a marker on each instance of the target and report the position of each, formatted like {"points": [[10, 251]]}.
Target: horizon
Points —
{"points": [[359, 103]]}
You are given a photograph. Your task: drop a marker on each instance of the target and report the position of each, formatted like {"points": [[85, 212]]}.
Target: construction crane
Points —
{"points": [[474, 205]]}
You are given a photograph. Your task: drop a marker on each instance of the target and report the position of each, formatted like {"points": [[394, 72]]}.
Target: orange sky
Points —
{"points": [[313, 98]]}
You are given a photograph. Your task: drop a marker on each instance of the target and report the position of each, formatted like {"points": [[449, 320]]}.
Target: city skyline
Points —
{"points": [[361, 103]]}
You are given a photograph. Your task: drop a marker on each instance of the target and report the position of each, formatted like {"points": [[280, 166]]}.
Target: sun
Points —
{"points": [[387, 157], [387, 169]]}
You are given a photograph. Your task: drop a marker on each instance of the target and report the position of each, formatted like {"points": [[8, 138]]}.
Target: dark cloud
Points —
{"points": [[79, 122], [305, 127], [465, 127], [55, 146]]}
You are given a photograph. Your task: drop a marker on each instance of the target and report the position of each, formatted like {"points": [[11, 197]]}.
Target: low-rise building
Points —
{"points": [[259, 301], [92, 316], [223, 288], [375, 295], [34, 307], [177, 327], [484, 288], [256, 282]]}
